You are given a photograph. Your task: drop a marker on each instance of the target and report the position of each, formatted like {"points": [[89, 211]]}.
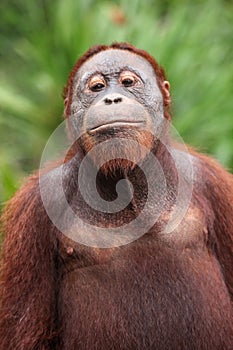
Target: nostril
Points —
{"points": [[107, 101], [117, 100]]}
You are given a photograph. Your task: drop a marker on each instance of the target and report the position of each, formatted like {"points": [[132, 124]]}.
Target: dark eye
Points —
{"points": [[128, 79], [96, 84], [97, 87], [127, 82]]}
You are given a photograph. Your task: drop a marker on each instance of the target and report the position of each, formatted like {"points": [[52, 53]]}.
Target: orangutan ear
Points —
{"points": [[166, 88], [166, 85], [66, 107]]}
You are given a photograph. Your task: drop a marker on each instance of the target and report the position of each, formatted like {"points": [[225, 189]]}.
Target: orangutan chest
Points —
{"points": [[140, 303]]}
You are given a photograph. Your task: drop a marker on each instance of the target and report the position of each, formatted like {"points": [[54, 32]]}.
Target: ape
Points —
{"points": [[139, 286]]}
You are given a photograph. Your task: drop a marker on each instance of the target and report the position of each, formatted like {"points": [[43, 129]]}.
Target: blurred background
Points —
{"points": [[41, 40]]}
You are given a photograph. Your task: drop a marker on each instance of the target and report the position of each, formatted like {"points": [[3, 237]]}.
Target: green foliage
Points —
{"points": [[41, 40]]}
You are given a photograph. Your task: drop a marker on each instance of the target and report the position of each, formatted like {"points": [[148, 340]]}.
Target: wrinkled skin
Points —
{"points": [[119, 106]]}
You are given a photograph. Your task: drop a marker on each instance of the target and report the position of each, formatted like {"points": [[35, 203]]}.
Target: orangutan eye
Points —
{"points": [[97, 87], [128, 79], [127, 82], [96, 84]]}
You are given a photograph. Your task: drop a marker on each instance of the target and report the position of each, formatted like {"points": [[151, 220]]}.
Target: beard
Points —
{"points": [[117, 149]]}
